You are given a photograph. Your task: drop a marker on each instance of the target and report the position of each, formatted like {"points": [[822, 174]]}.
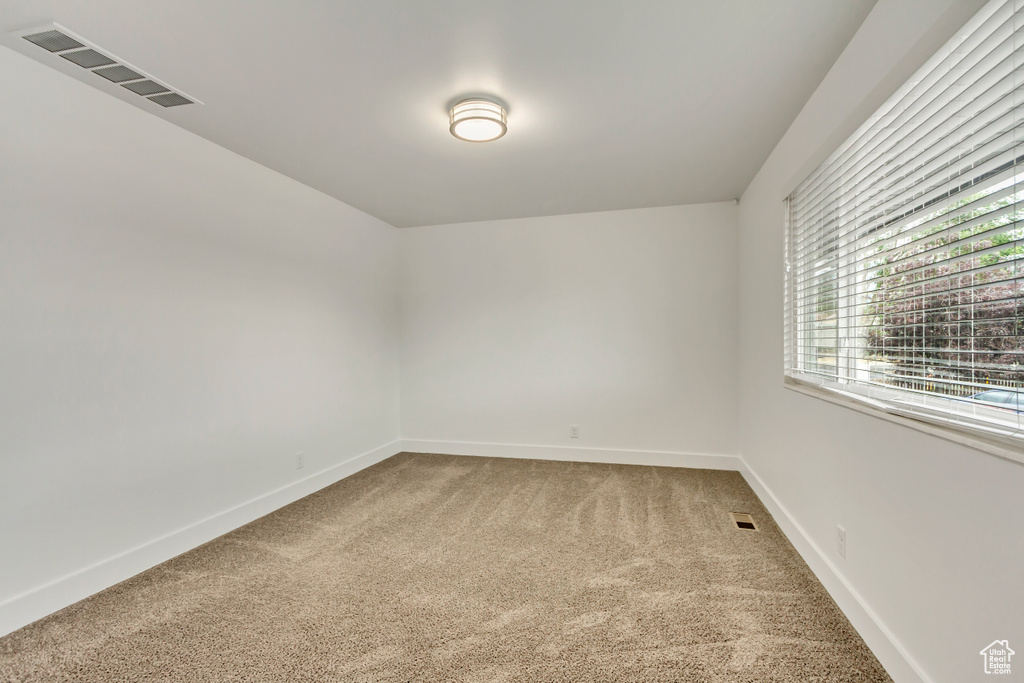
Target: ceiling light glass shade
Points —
{"points": [[477, 121]]}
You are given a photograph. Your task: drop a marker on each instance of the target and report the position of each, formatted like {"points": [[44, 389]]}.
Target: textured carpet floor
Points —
{"points": [[445, 568]]}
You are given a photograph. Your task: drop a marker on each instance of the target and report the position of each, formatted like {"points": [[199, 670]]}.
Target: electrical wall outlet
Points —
{"points": [[574, 432], [841, 540], [300, 460]]}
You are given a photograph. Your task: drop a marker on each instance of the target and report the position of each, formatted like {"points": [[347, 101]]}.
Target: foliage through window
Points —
{"points": [[905, 249]]}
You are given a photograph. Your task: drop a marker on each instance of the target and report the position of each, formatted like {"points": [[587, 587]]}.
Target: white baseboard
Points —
{"points": [[574, 454], [27, 607], [37, 603], [892, 655]]}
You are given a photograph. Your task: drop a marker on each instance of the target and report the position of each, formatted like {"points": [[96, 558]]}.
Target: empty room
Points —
{"points": [[665, 340]]}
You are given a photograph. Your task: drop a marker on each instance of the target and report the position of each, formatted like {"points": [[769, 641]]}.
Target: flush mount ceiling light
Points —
{"points": [[477, 120]]}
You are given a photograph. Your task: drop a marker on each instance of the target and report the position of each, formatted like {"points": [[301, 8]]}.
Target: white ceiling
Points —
{"points": [[611, 104]]}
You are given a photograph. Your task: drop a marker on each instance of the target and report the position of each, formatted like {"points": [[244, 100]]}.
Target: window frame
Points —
{"points": [[957, 418]]}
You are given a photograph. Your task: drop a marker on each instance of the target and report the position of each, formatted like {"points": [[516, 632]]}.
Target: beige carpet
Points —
{"points": [[445, 568]]}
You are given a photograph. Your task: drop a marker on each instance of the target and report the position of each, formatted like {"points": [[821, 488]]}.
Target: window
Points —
{"points": [[905, 248]]}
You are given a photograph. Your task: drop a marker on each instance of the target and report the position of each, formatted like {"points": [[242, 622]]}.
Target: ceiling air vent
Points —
{"points": [[87, 58], [118, 74], [171, 99], [54, 41], [146, 87], [57, 40]]}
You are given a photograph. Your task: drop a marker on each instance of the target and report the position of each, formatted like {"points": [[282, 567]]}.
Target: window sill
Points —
{"points": [[1006, 448]]}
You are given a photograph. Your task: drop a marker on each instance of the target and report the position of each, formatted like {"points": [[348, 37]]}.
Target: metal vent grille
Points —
{"points": [[171, 99], [146, 87], [88, 59], [54, 41], [743, 521], [118, 74], [59, 41]]}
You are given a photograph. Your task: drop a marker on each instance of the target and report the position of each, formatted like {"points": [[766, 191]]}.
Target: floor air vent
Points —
{"points": [[743, 521], [57, 40]]}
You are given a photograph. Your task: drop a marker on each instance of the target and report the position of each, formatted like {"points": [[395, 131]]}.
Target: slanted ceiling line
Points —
{"points": [[56, 41]]}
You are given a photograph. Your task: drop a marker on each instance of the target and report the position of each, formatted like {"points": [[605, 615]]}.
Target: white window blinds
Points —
{"points": [[905, 278]]}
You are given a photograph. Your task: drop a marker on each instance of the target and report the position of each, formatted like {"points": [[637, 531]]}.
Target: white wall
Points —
{"points": [[176, 323], [935, 543], [622, 323]]}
